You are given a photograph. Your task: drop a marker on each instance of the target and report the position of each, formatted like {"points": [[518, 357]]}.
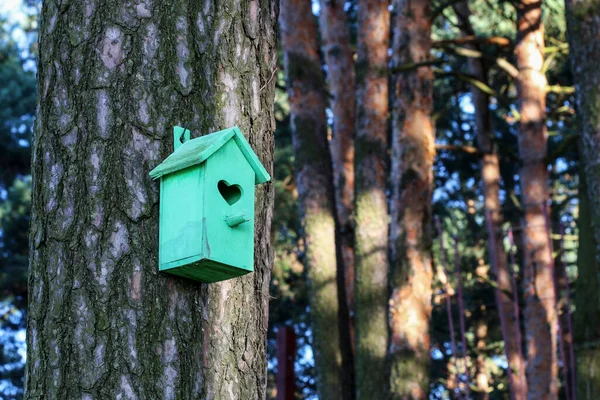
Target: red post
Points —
{"points": [[286, 355]]}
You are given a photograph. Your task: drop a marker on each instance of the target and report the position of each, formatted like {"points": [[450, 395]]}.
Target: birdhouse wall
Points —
{"points": [[181, 216], [233, 246], [195, 238]]}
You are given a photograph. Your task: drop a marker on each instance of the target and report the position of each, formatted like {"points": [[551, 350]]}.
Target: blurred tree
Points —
{"points": [[314, 180], [371, 209], [540, 302], [413, 152], [335, 34], [112, 82], [583, 18]]}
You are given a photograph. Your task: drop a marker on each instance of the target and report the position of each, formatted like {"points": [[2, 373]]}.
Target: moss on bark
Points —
{"points": [[113, 79]]}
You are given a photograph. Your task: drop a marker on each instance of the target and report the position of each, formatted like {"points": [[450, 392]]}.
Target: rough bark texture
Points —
{"points": [[314, 178], [539, 313], [583, 23], [335, 36], [371, 215], [413, 152], [490, 178], [586, 329], [113, 78]]}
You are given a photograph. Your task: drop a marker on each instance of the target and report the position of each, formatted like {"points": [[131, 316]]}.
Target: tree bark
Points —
{"points": [[490, 177], [586, 332], [584, 50], [113, 79], [539, 313], [314, 178], [413, 153], [335, 45], [371, 211]]}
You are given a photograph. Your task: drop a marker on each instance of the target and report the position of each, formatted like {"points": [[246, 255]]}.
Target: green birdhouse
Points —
{"points": [[207, 205]]}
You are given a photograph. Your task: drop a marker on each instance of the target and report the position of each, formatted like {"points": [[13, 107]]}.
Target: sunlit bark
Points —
{"points": [[539, 314], [413, 152]]}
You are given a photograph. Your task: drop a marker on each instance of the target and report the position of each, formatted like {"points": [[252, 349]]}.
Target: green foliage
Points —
{"points": [[17, 107]]}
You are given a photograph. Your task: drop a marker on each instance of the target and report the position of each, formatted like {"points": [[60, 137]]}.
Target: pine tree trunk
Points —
{"points": [[371, 210], [314, 178], [335, 36], [539, 313], [490, 176], [583, 23], [112, 82], [587, 311], [413, 153]]}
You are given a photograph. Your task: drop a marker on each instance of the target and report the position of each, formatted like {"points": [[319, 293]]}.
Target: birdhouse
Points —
{"points": [[207, 205]]}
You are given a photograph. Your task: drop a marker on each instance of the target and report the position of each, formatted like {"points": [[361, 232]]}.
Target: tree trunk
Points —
{"points": [[586, 329], [490, 174], [583, 23], [371, 215], [314, 178], [112, 82], [539, 313], [413, 153], [335, 36]]}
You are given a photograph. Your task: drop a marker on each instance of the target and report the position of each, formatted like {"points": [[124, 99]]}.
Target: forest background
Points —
{"points": [[463, 69]]}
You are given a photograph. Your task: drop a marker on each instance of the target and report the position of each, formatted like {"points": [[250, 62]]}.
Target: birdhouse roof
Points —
{"points": [[196, 151]]}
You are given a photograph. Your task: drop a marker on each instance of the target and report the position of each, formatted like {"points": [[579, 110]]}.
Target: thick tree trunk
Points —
{"points": [[540, 312], [583, 22], [586, 328], [314, 178], [371, 210], [335, 36], [413, 152], [113, 79], [490, 177]]}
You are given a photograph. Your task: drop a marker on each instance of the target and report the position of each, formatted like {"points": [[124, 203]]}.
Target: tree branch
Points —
{"points": [[411, 66], [464, 149], [502, 63], [560, 89], [472, 39]]}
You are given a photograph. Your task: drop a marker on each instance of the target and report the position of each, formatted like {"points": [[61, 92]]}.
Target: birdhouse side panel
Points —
{"points": [[181, 222], [229, 208]]}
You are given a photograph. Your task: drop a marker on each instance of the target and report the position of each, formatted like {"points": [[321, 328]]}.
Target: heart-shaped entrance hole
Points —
{"points": [[231, 193]]}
